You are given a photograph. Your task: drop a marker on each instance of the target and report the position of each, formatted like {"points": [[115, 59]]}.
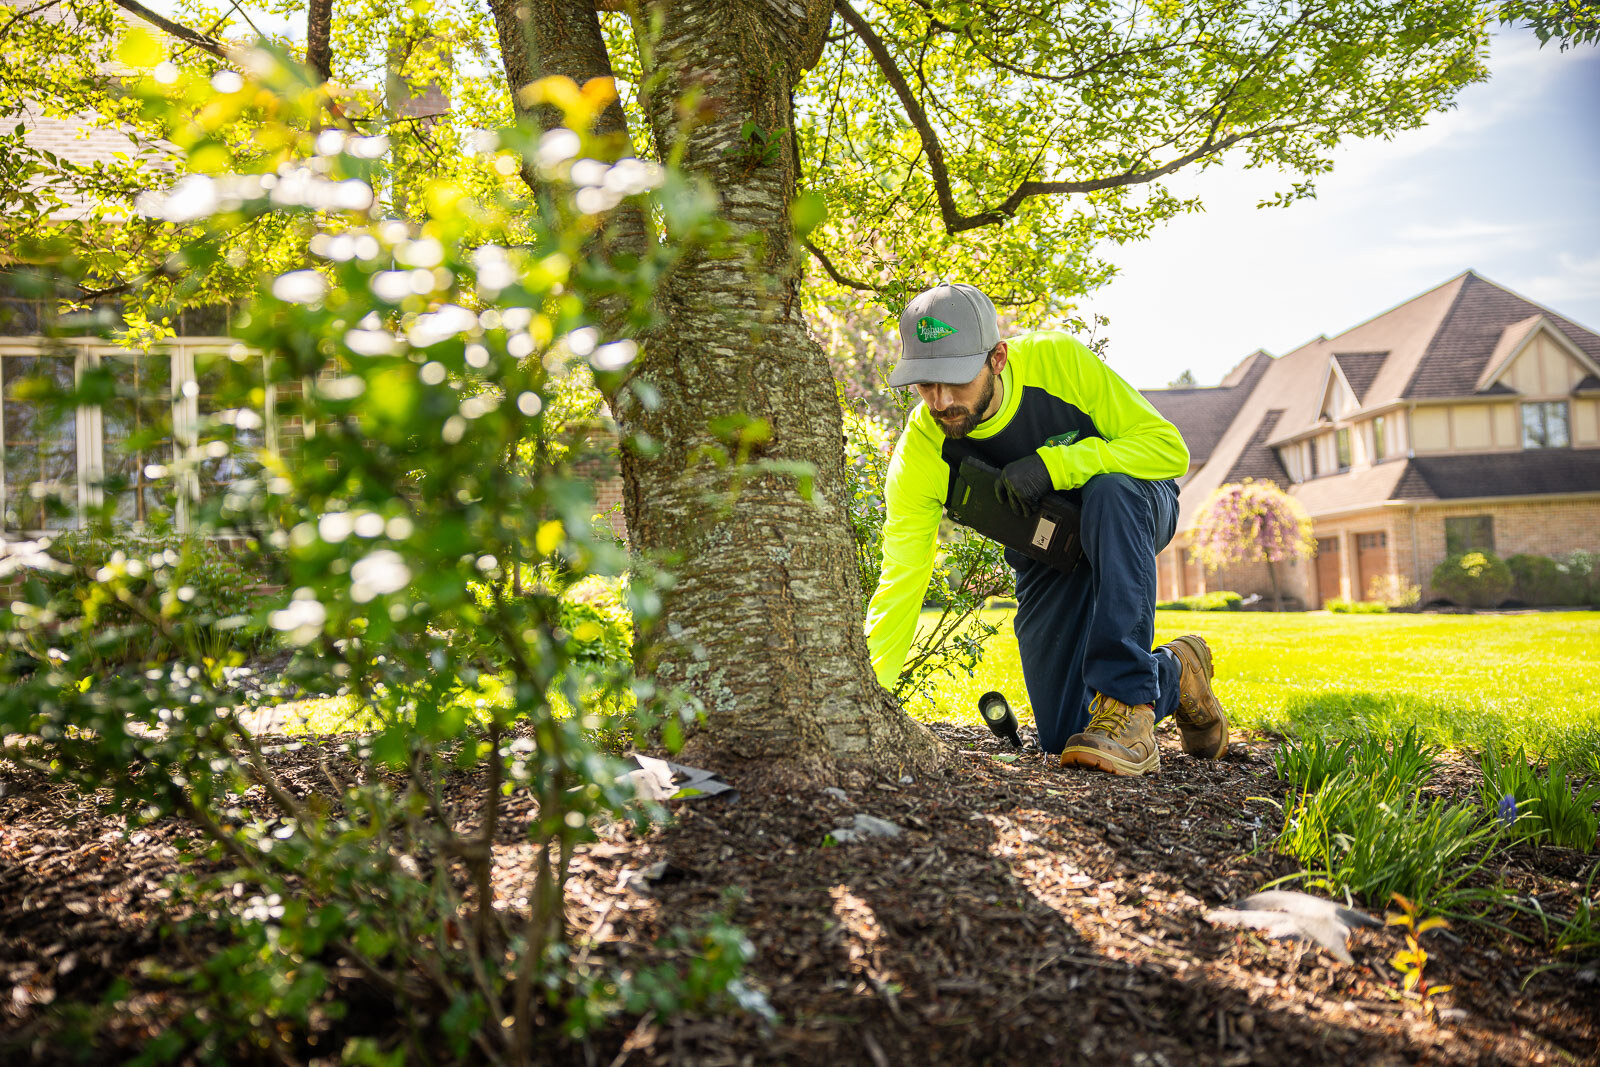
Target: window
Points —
{"points": [[1545, 425], [1466, 533], [1377, 439], [1368, 541], [1344, 449], [1311, 453], [40, 454], [137, 426]]}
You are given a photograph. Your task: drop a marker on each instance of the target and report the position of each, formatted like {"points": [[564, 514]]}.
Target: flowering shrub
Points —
{"points": [[1475, 579], [398, 535], [1251, 522]]}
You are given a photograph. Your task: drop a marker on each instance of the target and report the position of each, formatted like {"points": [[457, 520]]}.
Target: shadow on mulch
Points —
{"points": [[1033, 915], [1024, 915]]}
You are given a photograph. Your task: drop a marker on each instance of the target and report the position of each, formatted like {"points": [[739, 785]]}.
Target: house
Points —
{"points": [[1465, 418]]}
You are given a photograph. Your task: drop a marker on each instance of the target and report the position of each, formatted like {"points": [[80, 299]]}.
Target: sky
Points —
{"points": [[1506, 184]]}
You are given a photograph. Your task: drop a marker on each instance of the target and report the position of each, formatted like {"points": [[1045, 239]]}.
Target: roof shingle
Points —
{"points": [[1471, 333], [1534, 471]]}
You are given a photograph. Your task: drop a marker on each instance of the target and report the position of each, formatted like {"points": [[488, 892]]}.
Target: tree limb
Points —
{"points": [[957, 222], [182, 33], [319, 38], [827, 265]]}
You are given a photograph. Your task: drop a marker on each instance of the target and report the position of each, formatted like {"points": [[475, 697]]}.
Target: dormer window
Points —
{"points": [[1343, 443], [1544, 425]]}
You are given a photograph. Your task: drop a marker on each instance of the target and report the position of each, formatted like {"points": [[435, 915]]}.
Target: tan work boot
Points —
{"points": [[1120, 739], [1201, 720]]}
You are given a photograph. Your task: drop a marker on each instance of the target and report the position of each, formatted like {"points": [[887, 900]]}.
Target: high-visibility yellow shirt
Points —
{"points": [[1058, 399]]}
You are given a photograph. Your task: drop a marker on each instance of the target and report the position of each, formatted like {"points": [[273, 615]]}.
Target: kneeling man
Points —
{"points": [[1050, 415]]}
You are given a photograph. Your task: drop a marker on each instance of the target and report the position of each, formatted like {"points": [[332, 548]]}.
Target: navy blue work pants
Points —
{"points": [[1090, 631]]}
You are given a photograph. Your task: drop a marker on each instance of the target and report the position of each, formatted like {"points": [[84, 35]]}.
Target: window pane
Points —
{"points": [[41, 445], [230, 432], [138, 433], [1467, 533], [1555, 425], [1344, 449], [1532, 426], [1377, 439]]}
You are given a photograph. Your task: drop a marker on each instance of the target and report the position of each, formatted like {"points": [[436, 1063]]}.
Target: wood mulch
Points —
{"points": [[1025, 915]]}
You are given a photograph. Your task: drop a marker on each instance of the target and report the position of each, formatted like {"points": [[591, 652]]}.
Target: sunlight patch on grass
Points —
{"points": [[1461, 680]]}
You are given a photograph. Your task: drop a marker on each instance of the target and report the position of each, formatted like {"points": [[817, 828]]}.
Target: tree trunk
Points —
{"points": [[766, 609], [764, 617], [1277, 597], [319, 37]]}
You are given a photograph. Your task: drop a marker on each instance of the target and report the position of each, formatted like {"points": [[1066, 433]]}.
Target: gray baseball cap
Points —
{"points": [[944, 334]]}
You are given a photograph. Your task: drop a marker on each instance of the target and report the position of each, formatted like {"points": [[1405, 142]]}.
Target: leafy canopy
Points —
{"points": [[1003, 143]]}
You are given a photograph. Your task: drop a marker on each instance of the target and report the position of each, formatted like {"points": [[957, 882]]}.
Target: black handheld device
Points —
{"points": [[1051, 536]]}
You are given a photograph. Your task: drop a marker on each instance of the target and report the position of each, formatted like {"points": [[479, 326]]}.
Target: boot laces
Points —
{"points": [[1108, 714]]}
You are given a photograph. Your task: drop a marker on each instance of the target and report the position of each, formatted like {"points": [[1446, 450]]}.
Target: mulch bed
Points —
{"points": [[1025, 915]]}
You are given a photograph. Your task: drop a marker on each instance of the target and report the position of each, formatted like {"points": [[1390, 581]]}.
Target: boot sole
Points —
{"points": [[1101, 761], [1202, 654]]}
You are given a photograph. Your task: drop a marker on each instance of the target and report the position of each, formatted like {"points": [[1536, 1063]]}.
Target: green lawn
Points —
{"points": [[1462, 680]]}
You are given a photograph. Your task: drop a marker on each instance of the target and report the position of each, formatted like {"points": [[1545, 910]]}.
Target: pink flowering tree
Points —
{"points": [[1252, 522]]}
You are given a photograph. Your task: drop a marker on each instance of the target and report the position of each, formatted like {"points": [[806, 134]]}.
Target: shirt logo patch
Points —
{"points": [[931, 329]]}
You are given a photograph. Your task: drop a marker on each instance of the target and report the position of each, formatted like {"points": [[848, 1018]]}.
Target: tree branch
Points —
{"points": [[827, 265], [319, 38], [954, 220], [182, 33]]}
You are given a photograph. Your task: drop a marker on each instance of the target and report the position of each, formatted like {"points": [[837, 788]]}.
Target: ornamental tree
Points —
{"points": [[890, 142], [1252, 522]]}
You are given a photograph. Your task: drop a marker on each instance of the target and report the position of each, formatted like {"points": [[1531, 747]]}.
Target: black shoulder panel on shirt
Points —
{"points": [[1041, 418]]}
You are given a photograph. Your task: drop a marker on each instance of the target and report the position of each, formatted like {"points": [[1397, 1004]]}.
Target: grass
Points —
{"points": [[1462, 681]]}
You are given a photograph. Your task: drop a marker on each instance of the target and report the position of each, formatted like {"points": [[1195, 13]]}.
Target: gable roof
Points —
{"points": [[1442, 343], [1485, 320], [1202, 415], [1360, 369]]}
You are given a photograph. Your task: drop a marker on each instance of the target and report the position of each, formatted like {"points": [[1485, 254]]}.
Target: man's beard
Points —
{"points": [[961, 420]]}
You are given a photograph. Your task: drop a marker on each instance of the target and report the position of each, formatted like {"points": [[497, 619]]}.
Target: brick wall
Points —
{"points": [[602, 472], [1546, 528]]}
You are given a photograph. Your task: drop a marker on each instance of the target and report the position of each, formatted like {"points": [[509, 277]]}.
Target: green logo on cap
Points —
{"points": [[930, 329]]}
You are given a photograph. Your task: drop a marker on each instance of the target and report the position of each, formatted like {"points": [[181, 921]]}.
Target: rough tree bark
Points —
{"points": [[766, 608], [319, 37]]}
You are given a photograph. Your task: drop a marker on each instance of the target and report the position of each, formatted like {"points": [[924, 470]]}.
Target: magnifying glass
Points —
{"points": [[999, 717]]}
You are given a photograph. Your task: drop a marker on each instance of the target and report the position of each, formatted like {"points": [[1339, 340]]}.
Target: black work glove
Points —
{"points": [[1023, 484]]}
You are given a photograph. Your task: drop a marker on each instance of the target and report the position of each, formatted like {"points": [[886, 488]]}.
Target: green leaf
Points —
{"points": [[807, 212]]}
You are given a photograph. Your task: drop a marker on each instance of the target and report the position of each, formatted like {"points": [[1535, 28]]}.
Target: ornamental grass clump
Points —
{"points": [[1359, 822], [426, 355], [1553, 808]]}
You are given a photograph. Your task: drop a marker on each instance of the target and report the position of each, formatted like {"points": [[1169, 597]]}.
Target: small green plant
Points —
{"points": [[1554, 808], [757, 147], [970, 569], [1390, 767], [1352, 837], [1475, 579], [1221, 600], [1340, 606], [1396, 591], [1412, 960]]}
